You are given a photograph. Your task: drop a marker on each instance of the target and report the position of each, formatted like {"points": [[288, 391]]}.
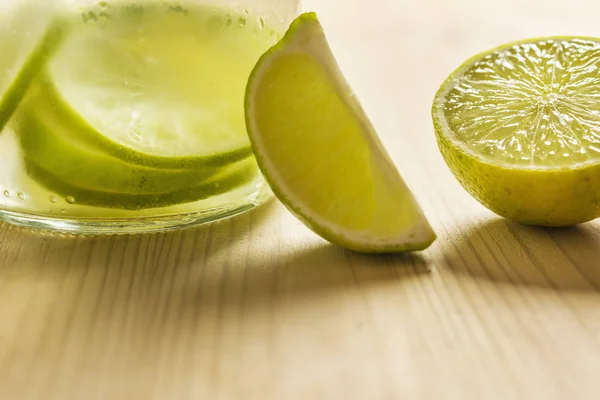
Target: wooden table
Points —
{"points": [[258, 307]]}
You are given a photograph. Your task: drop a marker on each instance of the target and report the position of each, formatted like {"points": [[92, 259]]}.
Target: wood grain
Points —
{"points": [[257, 307]]}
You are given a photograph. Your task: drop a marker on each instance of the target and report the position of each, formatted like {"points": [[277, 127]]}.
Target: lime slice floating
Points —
{"points": [[179, 134], [319, 152], [128, 113], [25, 54], [519, 126], [53, 145], [154, 87], [227, 179]]}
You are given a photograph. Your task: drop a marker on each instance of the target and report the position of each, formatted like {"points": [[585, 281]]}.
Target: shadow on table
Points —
{"points": [[203, 261], [564, 259], [104, 263], [17, 240], [119, 304], [320, 271]]}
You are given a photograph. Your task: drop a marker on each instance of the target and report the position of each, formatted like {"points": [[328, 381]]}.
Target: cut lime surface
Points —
{"points": [[320, 153], [52, 144], [157, 86], [519, 126], [227, 179]]}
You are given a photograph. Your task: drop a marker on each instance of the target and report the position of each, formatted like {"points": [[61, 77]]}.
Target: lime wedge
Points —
{"points": [[226, 180], [53, 145], [519, 126], [156, 87], [25, 54], [319, 152]]}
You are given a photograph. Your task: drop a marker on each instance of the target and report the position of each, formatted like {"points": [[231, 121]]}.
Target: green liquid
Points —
{"points": [[164, 86]]}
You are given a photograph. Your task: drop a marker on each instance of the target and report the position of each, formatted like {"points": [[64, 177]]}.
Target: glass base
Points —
{"points": [[123, 226]]}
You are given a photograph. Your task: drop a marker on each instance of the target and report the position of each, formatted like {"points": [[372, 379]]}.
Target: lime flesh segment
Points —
{"points": [[157, 87], [519, 126], [228, 179], [531, 104], [321, 155], [52, 145]]}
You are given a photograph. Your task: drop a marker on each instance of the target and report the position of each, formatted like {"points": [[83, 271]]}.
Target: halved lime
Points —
{"points": [[25, 53], [320, 153], [227, 179], [52, 144], [519, 126], [156, 86]]}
